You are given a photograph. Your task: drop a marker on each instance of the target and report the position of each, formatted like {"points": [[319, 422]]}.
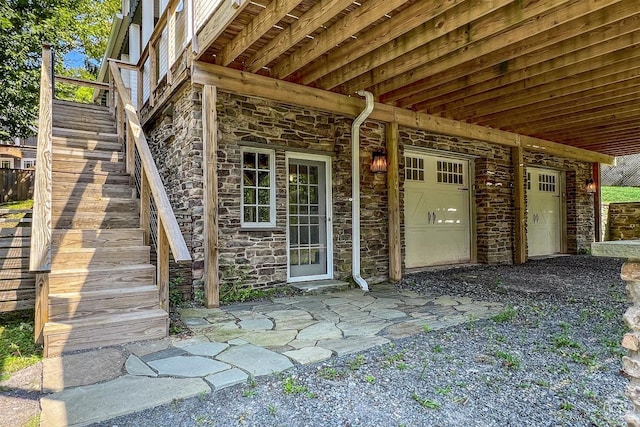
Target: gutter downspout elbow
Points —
{"points": [[355, 188]]}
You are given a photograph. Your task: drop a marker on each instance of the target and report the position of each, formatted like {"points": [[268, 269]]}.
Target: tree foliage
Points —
{"points": [[68, 25]]}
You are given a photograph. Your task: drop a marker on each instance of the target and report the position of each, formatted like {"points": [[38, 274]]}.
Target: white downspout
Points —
{"points": [[355, 188]]}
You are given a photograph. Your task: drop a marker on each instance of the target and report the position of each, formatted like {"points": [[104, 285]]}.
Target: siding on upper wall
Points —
{"points": [[204, 9]]}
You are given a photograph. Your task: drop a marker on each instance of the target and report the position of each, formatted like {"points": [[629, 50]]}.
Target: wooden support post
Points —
{"points": [[145, 206], [597, 203], [112, 97], [520, 233], [153, 73], [120, 124], [163, 266], [210, 179], [393, 195], [130, 152], [41, 315]]}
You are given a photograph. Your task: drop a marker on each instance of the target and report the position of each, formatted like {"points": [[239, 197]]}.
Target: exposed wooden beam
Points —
{"points": [[404, 21], [337, 33], [319, 14], [460, 24], [210, 190], [270, 16], [519, 204], [540, 67], [290, 93], [548, 29], [218, 23], [393, 197]]}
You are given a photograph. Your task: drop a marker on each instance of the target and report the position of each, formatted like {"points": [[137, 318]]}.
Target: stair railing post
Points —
{"points": [[130, 152], [41, 315], [163, 266]]}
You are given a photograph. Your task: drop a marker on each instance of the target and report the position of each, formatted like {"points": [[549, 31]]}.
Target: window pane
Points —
{"points": [[250, 196], [314, 256], [293, 235], [304, 209], [313, 175], [304, 196], [249, 178], [304, 235], [249, 214], [263, 161], [263, 196], [263, 179], [264, 214], [313, 194], [304, 257], [249, 160], [314, 232], [293, 257]]}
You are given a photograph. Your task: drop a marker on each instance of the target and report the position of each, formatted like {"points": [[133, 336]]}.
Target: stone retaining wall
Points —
{"points": [[624, 221]]}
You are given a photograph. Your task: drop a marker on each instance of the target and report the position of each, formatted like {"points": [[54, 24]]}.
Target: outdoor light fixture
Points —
{"points": [[590, 186], [378, 162]]}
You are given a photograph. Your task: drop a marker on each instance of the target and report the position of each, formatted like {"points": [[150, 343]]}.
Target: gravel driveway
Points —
{"points": [[551, 358]]}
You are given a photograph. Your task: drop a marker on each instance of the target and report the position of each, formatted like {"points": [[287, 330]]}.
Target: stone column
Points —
{"points": [[631, 340], [630, 273]]}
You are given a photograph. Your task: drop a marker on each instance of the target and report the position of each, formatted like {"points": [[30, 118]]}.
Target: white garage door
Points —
{"points": [[543, 212], [437, 214]]}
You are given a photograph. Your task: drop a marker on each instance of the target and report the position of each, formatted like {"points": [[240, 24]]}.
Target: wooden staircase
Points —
{"points": [[101, 287]]}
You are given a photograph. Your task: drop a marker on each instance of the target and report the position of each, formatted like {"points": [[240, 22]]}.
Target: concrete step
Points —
{"points": [[97, 238], [320, 286], [83, 279], [104, 330], [74, 258], [76, 305]]}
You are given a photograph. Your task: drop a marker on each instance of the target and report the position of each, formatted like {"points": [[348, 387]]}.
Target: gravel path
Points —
{"points": [[551, 358]]}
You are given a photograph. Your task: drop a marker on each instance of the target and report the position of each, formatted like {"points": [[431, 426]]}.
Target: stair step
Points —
{"points": [[90, 191], [65, 153], [61, 105], [82, 279], [104, 330], [76, 305], [95, 221], [118, 205], [85, 143], [92, 178], [96, 134], [87, 166], [73, 258], [97, 238]]}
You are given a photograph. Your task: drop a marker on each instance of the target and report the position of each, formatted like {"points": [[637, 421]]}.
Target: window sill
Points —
{"points": [[262, 229]]}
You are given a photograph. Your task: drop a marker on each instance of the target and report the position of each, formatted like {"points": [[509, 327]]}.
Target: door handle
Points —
{"points": [[434, 217], [429, 218]]}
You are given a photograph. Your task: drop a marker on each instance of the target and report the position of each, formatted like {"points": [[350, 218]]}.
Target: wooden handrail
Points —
{"points": [[166, 216], [40, 252], [81, 82]]}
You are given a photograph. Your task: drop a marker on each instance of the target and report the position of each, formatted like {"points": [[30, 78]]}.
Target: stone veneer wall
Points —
{"points": [[175, 140], [258, 258], [624, 221]]}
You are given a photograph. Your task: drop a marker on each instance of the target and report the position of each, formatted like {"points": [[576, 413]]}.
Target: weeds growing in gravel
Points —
{"points": [[509, 360], [506, 315], [425, 402], [330, 373], [356, 363], [290, 386]]}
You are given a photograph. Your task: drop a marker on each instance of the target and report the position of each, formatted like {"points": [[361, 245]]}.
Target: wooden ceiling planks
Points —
{"points": [[561, 70]]}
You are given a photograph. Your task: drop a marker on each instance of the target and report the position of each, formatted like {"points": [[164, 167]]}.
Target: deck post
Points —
{"points": [[393, 195], [519, 226]]}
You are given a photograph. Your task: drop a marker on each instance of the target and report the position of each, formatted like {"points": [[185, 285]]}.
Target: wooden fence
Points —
{"points": [[16, 185], [17, 284]]}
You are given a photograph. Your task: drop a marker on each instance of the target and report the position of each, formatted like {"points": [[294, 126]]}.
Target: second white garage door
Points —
{"points": [[437, 213]]}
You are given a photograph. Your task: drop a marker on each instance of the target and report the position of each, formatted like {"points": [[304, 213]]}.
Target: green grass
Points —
{"points": [[25, 204], [17, 349], [620, 194]]}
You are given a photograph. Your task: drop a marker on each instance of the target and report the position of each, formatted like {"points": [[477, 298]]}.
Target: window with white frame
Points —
{"points": [[258, 188], [6, 163], [28, 163]]}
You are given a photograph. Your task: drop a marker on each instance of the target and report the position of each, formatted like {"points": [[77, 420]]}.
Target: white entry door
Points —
{"points": [[309, 218], [437, 210], [543, 212]]}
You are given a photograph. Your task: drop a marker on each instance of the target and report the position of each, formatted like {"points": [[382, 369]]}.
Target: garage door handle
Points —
{"points": [[429, 218], [434, 217]]}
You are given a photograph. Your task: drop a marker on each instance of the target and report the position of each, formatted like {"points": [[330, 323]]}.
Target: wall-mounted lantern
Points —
{"points": [[378, 162], [590, 186]]}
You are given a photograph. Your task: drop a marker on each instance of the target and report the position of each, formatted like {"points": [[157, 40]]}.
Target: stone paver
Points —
{"points": [[372, 327], [206, 349], [307, 355], [188, 366], [320, 331], [388, 313], [255, 360], [352, 344], [256, 324], [124, 395], [227, 378], [270, 338], [89, 367], [135, 366]]}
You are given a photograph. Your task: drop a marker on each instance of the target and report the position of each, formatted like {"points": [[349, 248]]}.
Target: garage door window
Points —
{"points": [[547, 183], [450, 172], [413, 169]]}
